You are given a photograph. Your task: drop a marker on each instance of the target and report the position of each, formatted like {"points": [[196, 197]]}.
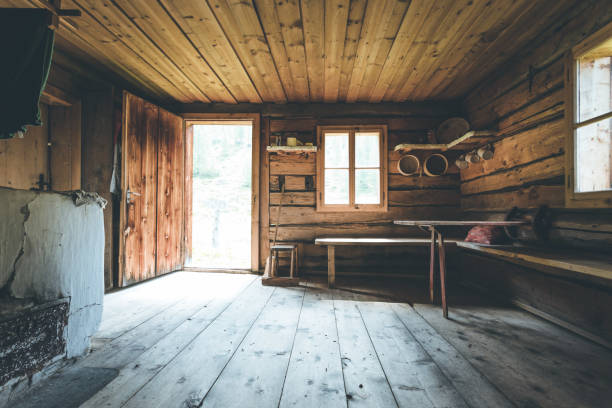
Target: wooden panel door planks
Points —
{"points": [[152, 205], [138, 227], [170, 183]]}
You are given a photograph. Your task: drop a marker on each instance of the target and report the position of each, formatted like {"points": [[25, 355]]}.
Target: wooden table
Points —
{"points": [[438, 228]]}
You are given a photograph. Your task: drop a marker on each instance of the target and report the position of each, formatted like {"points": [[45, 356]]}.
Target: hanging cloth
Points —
{"points": [[26, 48]]}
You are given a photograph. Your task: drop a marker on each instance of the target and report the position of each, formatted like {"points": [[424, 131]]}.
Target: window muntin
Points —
{"points": [[351, 169]]}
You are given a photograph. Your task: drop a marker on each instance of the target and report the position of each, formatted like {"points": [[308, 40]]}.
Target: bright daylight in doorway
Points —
{"points": [[222, 165]]}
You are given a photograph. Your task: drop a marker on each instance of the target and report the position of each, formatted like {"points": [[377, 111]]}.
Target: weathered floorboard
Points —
{"points": [[364, 378], [191, 373], [473, 386], [314, 376], [259, 366], [415, 379], [137, 374]]}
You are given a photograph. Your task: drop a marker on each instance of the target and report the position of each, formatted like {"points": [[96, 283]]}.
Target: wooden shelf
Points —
{"points": [[471, 140], [295, 149]]}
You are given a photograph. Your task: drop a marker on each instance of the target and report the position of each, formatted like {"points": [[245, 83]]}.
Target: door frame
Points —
{"points": [[229, 119]]}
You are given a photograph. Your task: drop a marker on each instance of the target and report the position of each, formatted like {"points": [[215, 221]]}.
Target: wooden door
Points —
{"points": [[152, 180], [170, 204], [138, 225]]}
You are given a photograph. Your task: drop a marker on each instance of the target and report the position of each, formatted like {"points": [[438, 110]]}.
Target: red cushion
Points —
{"points": [[486, 234]]}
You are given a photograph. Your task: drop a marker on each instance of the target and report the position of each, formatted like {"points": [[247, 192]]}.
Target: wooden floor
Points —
{"points": [[218, 340]]}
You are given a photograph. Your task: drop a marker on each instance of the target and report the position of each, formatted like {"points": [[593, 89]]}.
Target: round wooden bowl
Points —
{"points": [[408, 165], [435, 165]]}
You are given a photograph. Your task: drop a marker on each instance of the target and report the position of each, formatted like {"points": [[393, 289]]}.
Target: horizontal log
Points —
{"points": [[516, 98], [304, 198], [309, 233], [529, 197], [301, 124], [293, 164], [399, 182], [292, 183], [517, 176], [542, 111], [412, 198], [543, 141], [591, 241], [310, 216], [592, 221], [405, 198], [550, 45]]}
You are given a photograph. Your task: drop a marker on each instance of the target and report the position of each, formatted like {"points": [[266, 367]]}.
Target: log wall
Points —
{"points": [[409, 197], [525, 102]]}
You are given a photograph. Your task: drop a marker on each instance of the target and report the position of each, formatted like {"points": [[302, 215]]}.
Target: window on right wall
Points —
{"points": [[589, 115]]}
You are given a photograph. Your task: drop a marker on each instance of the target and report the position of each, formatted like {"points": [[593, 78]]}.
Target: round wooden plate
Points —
{"points": [[452, 129]]}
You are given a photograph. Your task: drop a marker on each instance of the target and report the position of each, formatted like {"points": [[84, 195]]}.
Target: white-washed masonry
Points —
{"points": [[51, 248]]}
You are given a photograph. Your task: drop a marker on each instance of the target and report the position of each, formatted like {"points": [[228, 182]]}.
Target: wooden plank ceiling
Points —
{"points": [[303, 50]]}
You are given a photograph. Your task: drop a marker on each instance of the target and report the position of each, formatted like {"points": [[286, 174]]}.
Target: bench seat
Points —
{"points": [[586, 264]]}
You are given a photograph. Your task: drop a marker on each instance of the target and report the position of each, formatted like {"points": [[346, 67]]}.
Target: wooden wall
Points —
{"points": [[65, 138], [77, 114], [525, 101], [409, 197], [96, 162], [23, 160]]}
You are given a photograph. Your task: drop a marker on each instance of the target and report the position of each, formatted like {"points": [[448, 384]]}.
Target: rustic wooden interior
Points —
{"points": [[529, 325]]}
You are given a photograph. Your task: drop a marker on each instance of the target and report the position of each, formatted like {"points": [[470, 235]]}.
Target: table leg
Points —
{"points": [[331, 266], [292, 263], [432, 262], [442, 255]]}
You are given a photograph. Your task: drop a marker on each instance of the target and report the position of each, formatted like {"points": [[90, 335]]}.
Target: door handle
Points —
{"points": [[128, 198]]}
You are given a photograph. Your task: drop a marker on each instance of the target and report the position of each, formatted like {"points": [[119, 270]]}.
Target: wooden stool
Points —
{"points": [[275, 249]]}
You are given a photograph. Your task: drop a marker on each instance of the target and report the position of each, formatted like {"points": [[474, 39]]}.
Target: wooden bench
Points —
{"points": [[577, 262], [331, 244]]}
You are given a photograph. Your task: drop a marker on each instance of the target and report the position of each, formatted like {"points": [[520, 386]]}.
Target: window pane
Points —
{"points": [[336, 186], [336, 150], [593, 151], [367, 152], [593, 87], [367, 186]]}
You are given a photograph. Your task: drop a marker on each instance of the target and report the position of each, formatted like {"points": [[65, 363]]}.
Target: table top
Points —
{"points": [[458, 223]]}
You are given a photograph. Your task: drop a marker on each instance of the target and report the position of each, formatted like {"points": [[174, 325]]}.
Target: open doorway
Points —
{"points": [[223, 217]]}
